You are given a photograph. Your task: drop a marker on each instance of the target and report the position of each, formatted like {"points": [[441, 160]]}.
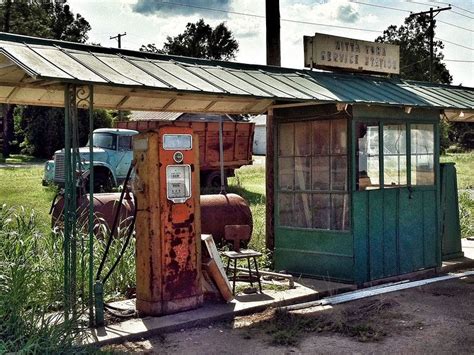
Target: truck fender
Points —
{"points": [[102, 165]]}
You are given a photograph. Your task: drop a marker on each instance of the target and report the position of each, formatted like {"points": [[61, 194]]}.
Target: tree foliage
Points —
{"points": [[40, 131], [413, 39], [47, 19], [200, 40]]}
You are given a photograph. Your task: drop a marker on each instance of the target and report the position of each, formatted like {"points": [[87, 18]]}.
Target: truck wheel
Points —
{"points": [[102, 182], [214, 179]]}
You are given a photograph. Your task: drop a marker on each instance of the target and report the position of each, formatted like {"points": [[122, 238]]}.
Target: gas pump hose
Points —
{"points": [[114, 225]]}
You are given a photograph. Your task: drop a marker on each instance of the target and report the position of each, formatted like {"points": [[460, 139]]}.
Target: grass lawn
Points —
{"points": [[22, 187], [464, 168]]}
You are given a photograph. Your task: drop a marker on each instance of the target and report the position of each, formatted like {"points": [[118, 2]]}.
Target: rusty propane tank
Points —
{"points": [[217, 211], [105, 207]]}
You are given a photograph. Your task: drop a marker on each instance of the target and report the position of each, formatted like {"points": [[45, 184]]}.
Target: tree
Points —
{"points": [[40, 131], [412, 37], [46, 19], [200, 40]]}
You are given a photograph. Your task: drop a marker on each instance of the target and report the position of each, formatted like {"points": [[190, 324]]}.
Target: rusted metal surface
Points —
{"points": [[105, 207], [237, 140], [217, 211], [237, 233]]}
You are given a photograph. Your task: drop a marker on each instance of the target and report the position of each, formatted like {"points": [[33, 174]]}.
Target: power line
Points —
{"points": [[459, 60], [406, 11], [460, 8], [297, 21], [379, 6], [450, 24], [456, 44], [262, 17], [427, 4]]}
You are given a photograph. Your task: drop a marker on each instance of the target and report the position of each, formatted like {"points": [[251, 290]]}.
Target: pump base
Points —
{"points": [[159, 308]]}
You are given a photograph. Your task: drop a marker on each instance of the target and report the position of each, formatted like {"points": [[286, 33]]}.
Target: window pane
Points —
{"points": [[302, 173], [285, 204], [340, 212], [338, 137], [302, 212], [286, 139], [367, 151], [338, 173], [394, 139], [286, 171], [125, 143], [422, 157], [303, 138], [321, 211], [394, 151], [321, 137], [395, 170], [320, 173]]}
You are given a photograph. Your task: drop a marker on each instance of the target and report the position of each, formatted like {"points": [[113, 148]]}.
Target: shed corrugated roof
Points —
{"points": [[33, 70]]}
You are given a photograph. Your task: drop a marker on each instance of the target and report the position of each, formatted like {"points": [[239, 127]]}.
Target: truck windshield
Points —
{"points": [[105, 140]]}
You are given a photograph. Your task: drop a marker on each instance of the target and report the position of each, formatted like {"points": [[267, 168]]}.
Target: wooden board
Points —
{"points": [[216, 269]]}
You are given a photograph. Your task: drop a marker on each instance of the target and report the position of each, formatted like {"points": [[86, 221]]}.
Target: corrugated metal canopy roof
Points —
{"points": [[33, 71]]}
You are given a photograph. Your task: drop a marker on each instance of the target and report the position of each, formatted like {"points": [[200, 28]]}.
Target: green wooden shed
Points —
{"points": [[357, 191]]}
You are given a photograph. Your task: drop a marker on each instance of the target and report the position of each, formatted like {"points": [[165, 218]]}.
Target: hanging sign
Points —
{"points": [[328, 52]]}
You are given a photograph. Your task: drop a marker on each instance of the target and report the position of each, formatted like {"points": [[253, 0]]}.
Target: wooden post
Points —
{"points": [[269, 177]]}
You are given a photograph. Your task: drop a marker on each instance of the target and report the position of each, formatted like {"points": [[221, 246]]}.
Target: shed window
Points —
{"points": [[312, 174], [367, 160], [394, 155], [422, 154]]}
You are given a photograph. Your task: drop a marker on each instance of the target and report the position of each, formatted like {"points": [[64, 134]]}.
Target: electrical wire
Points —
{"points": [[455, 44], [425, 4], [406, 11], [263, 17], [457, 7]]}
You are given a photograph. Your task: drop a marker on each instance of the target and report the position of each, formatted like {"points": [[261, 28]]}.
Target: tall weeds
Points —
{"points": [[31, 287]]}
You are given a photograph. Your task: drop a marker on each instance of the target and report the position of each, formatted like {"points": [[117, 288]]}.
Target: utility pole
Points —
{"points": [[119, 38], [433, 13], [272, 18]]}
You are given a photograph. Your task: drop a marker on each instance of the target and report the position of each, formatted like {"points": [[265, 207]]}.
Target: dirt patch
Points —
{"points": [[437, 318]]}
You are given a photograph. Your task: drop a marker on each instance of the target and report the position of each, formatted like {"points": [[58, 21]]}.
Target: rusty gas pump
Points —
{"points": [[168, 223]]}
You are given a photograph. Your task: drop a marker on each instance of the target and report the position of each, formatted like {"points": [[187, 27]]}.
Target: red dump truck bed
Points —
{"points": [[237, 138]]}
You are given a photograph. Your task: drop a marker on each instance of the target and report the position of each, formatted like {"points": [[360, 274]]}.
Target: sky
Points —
{"points": [[151, 21]]}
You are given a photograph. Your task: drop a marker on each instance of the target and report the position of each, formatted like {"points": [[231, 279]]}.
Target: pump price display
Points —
{"points": [[177, 141], [178, 183]]}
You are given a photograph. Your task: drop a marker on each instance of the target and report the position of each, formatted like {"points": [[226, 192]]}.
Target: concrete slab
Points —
{"points": [[305, 290], [460, 263], [211, 312]]}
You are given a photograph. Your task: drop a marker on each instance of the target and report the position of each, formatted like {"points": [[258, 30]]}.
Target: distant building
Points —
{"points": [[260, 135]]}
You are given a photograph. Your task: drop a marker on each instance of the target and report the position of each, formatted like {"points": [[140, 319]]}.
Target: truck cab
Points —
{"points": [[112, 158]]}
